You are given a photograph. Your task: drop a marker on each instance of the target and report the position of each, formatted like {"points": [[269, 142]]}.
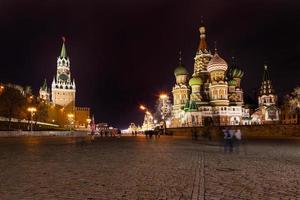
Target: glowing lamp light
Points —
{"points": [[31, 109], [142, 107], [163, 96], [88, 120]]}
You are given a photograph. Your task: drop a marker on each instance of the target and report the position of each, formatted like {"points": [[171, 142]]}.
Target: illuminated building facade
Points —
{"points": [[213, 95], [267, 111], [63, 87], [63, 90]]}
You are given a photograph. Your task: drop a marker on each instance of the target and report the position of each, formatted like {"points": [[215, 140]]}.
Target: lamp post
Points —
{"points": [[32, 111], [88, 120], [70, 118]]}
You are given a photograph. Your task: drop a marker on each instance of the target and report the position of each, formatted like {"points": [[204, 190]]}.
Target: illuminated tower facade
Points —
{"points": [[44, 93], [181, 90], [267, 112], [202, 58], [235, 92], [218, 86], [63, 87]]}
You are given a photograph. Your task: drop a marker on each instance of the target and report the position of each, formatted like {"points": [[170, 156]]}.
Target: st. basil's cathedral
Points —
{"points": [[213, 94]]}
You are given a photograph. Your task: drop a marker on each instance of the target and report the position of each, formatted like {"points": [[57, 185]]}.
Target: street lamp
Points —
{"points": [[88, 120], [70, 118], [32, 111], [143, 107]]}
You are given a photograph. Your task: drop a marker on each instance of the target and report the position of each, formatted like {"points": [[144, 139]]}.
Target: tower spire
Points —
{"points": [[180, 58], [63, 52], [44, 87], [266, 76], [216, 49], [202, 45]]}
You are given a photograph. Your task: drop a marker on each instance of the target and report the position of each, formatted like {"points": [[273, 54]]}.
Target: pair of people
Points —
{"points": [[231, 136]]}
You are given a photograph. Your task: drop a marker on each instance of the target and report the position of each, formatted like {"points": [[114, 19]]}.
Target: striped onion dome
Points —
{"points": [[217, 63]]}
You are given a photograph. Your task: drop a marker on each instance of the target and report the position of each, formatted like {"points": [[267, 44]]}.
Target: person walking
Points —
{"points": [[230, 139], [228, 146]]}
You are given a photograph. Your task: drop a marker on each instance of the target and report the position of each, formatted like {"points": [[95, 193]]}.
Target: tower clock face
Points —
{"points": [[63, 77]]}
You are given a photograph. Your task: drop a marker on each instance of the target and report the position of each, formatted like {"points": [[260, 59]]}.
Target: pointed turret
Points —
{"points": [[63, 52], [267, 94], [266, 86], [44, 94], [44, 86], [202, 45], [203, 54]]}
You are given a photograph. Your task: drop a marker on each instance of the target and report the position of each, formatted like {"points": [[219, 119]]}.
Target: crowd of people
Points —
{"points": [[107, 132], [232, 139]]}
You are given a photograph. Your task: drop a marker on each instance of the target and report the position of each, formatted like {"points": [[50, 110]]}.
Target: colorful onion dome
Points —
{"points": [[232, 82], [195, 80], [217, 63], [180, 70], [235, 72]]}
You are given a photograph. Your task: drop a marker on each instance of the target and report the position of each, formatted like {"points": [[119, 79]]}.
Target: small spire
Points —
{"points": [[202, 21], [233, 60], [216, 49], [180, 58], [44, 86], [63, 53], [202, 45]]}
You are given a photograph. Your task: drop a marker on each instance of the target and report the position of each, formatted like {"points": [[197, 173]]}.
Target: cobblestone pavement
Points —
{"points": [[139, 168]]}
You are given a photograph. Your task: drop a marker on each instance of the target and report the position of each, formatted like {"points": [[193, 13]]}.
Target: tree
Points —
{"points": [[12, 102], [42, 112], [293, 102]]}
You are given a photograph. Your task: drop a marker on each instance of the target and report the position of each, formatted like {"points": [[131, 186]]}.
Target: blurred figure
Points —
{"points": [[119, 133], [228, 144], [238, 137], [194, 134]]}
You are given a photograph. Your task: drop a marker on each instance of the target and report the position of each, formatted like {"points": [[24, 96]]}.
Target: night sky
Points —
{"points": [[123, 52]]}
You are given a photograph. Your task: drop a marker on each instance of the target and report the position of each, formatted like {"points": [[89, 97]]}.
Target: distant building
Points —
{"points": [[63, 87], [213, 95], [44, 92], [267, 111], [287, 117], [63, 90], [82, 115]]}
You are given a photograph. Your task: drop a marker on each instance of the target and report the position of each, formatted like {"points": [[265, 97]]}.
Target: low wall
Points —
{"points": [[248, 132], [43, 133]]}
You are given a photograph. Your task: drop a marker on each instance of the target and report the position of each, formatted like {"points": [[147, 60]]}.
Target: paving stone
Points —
{"points": [[139, 168]]}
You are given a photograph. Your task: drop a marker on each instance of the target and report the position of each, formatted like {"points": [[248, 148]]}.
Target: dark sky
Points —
{"points": [[123, 52]]}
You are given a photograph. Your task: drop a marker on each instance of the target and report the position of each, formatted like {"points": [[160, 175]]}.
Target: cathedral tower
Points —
{"points": [[267, 96], [235, 92], [44, 93], [218, 88], [180, 91], [267, 101], [63, 87]]}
